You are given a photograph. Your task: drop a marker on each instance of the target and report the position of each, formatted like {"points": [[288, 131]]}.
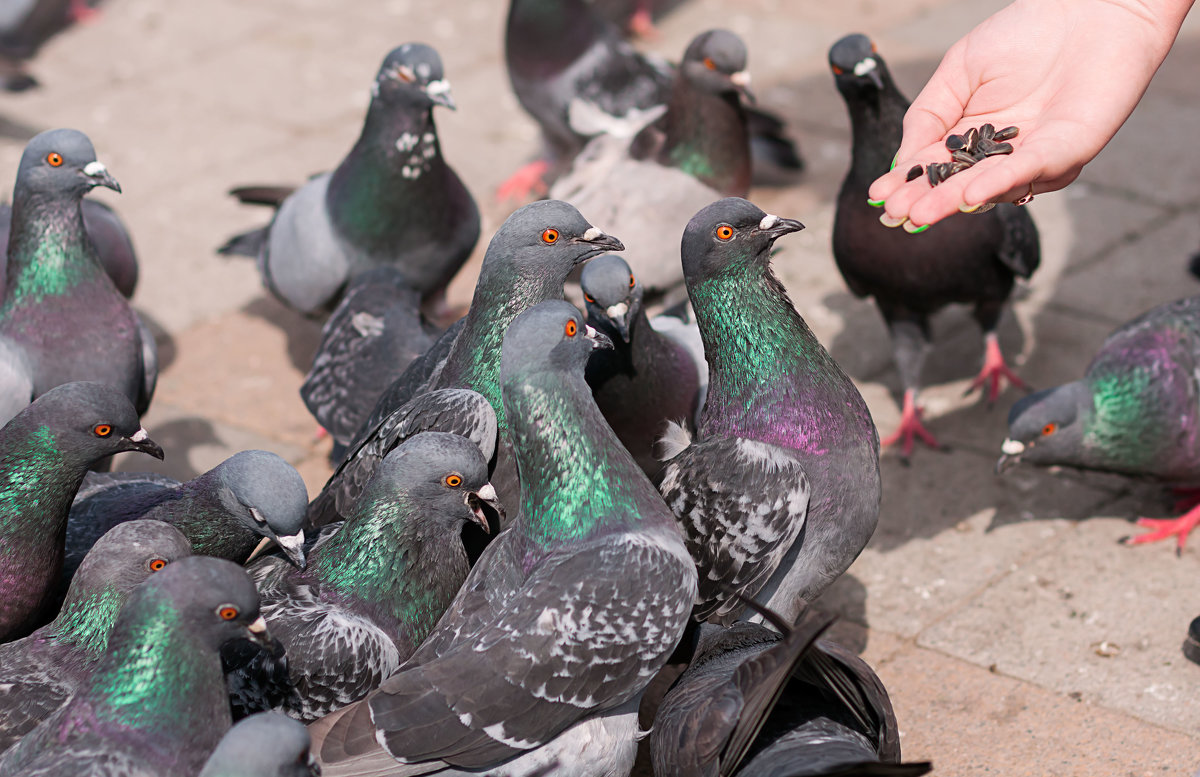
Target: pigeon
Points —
{"points": [[44, 454], [155, 706], [62, 319], [264, 745], [758, 703], [40, 672], [393, 201], [375, 332], [542, 658], [375, 588], [527, 262], [647, 379], [247, 501], [108, 235], [1135, 412], [25, 26], [779, 489], [966, 258]]}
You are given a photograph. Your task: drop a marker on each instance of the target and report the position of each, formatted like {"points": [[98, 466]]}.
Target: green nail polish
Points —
{"points": [[915, 230], [876, 203], [895, 159]]}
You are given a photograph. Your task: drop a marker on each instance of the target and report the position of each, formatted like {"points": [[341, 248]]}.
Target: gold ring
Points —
{"points": [[1028, 198]]}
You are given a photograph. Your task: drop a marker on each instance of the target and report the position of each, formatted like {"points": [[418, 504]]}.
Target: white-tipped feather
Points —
{"points": [[674, 441]]}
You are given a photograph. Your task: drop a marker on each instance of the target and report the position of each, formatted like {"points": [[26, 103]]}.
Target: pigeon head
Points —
{"points": [[61, 162], [540, 243], [1048, 427], [266, 743], [855, 64], [445, 474], [728, 236], [269, 496], [612, 295], [88, 421], [412, 74], [715, 61], [550, 337]]}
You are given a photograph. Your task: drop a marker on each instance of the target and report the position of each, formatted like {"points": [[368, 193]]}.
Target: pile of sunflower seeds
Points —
{"points": [[965, 150]]}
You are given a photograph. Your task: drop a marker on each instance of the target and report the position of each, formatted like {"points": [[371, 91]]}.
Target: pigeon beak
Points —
{"points": [[293, 548], [868, 67], [599, 243], [485, 495], [741, 82], [598, 339], [775, 227], [140, 441], [98, 175], [262, 545], [1011, 451], [439, 93], [258, 632]]}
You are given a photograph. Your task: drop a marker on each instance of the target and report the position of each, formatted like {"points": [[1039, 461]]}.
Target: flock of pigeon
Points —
{"points": [[536, 511]]}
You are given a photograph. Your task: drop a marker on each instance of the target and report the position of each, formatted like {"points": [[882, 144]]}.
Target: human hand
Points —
{"points": [[1066, 72]]}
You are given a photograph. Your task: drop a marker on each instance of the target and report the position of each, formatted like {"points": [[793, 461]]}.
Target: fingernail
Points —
{"points": [[891, 221], [895, 159], [982, 207], [912, 229], [876, 203]]}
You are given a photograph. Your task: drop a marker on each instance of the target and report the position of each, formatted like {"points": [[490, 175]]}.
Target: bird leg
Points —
{"points": [[1162, 528], [994, 370], [911, 427], [80, 12], [529, 179]]}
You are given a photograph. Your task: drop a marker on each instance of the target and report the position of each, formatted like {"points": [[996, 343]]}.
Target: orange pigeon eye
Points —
{"points": [[724, 232], [156, 564], [588, 297], [227, 612], [453, 481], [1049, 429], [837, 71], [550, 236], [102, 430], [572, 328], [632, 282], [54, 158], [708, 63]]}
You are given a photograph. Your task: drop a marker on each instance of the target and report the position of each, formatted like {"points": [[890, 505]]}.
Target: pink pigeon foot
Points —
{"points": [[994, 371], [529, 179], [641, 23], [1162, 528], [80, 12], [911, 427]]}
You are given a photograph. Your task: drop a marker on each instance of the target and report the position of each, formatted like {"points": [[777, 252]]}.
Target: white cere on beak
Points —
{"points": [[590, 331], [487, 493], [740, 78], [440, 86], [258, 627], [1012, 448], [617, 310], [141, 435], [593, 233], [768, 221], [864, 66], [94, 169], [291, 542]]}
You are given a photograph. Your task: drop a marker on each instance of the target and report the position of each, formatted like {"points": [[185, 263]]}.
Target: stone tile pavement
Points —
{"points": [[1016, 636]]}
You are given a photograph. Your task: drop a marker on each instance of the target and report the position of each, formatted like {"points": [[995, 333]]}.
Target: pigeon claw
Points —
{"points": [[911, 429], [1164, 528], [528, 180], [995, 371]]}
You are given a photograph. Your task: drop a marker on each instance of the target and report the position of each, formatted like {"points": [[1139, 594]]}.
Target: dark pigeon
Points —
{"points": [[779, 490], [376, 586], [62, 319], [1136, 412], [40, 672], [264, 745], [970, 259], [375, 332], [527, 262], [155, 706], [44, 454], [647, 379], [25, 26], [250, 499], [107, 233], [756, 703], [542, 658], [393, 201]]}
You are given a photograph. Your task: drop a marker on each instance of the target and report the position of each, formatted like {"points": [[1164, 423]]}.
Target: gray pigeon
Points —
{"points": [[156, 704], [527, 262], [756, 703], [778, 492], [44, 454], [40, 672], [375, 332], [393, 201], [264, 745], [62, 319], [647, 379], [25, 26], [376, 586], [541, 660], [250, 499]]}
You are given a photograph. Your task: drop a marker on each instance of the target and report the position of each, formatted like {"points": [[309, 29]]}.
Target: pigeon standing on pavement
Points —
{"points": [[156, 705], [375, 588], [264, 745], [527, 262], [1136, 412], [62, 319], [779, 489], [966, 258], [646, 379], [252, 498], [393, 201], [542, 658], [44, 454], [40, 672]]}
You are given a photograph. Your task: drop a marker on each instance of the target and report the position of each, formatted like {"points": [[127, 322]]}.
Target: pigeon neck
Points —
{"points": [[706, 137], [1134, 424], [48, 251], [544, 36], [37, 485], [211, 523], [876, 121], [86, 619]]}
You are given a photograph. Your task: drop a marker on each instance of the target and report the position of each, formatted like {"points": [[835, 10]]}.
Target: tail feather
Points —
{"points": [[245, 244], [272, 196]]}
